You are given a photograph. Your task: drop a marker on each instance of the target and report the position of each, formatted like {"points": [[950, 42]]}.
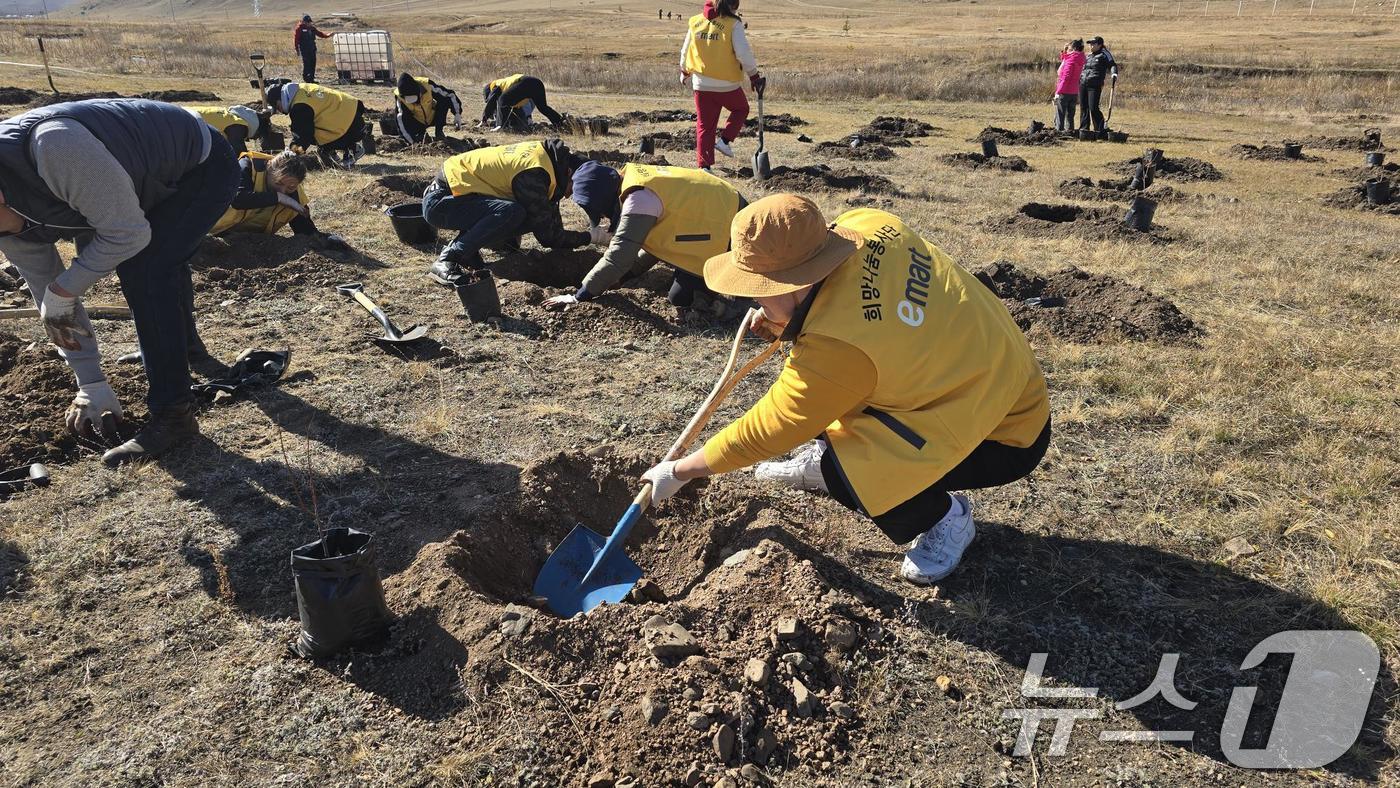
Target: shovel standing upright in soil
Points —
{"points": [[761, 170], [586, 569]]}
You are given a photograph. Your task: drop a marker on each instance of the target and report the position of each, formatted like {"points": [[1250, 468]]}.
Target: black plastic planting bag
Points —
{"points": [[338, 593]]}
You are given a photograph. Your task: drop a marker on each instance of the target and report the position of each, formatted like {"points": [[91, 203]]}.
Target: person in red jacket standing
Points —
{"points": [[304, 41], [716, 58]]}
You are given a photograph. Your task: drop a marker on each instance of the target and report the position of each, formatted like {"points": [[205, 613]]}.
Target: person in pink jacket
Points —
{"points": [[1067, 84]]}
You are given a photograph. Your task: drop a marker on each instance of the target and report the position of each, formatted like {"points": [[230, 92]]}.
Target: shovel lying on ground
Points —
{"points": [[761, 171], [586, 569], [19, 478], [392, 334]]}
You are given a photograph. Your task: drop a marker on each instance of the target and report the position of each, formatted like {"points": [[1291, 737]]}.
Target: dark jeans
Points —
{"points": [[1064, 111], [528, 88], [1089, 96], [479, 220], [991, 464], [352, 136], [156, 280], [684, 286], [308, 65]]}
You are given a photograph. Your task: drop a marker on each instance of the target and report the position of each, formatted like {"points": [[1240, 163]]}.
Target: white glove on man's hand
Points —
{"points": [[560, 302], [664, 483], [289, 201], [60, 317], [598, 235], [457, 123], [95, 414]]}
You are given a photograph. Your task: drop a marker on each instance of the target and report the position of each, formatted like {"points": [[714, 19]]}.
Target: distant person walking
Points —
{"points": [[716, 58], [1067, 84], [1098, 66], [304, 41]]}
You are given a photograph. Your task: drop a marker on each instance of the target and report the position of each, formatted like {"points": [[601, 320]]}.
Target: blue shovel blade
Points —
{"points": [[561, 579]]}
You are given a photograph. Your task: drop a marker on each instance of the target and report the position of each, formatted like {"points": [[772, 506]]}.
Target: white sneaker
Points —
{"points": [[723, 147], [803, 471], [938, 550]]}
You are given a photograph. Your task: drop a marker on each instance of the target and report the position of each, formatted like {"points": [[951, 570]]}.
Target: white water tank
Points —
{"points": [[366, 56]]}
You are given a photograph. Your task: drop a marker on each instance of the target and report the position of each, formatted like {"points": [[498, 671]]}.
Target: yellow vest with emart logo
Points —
{"points": [[711, 51]]}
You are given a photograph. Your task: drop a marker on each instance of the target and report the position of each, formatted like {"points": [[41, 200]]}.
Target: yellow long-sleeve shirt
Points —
{"points": [[822, 380]]}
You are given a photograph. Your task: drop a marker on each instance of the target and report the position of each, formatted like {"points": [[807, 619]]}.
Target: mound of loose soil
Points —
{"points": [[1009, 137], [388, 190], [777, 124], [976, 161], [1058, 221], [821, 178], [1354, 196], [1267, 153], [620, 157], [729, 658], [179, 95], [683, 140], [654, 116], [1364, 174], [614, 319], [12, 95], [37, 387], [857, 150], [448, 146], [1095, 308], [45, 99], [1114, 190], [1370, 139], [1184, 168], [887, 127], [249, 264]]}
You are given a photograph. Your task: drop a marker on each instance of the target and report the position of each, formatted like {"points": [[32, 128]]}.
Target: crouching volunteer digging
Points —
{"points": [[331, 120], [423, 104], [271, 195], [908, 371], [668, 214], [510, 100], [136, 184], [490, 196], [239, 124]]}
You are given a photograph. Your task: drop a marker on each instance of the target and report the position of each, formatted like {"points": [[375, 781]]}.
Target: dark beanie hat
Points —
{"points": [[306, 17], [596, 191], [408, 86]]}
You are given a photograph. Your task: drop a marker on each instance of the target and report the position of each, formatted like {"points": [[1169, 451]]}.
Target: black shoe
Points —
{"points": [[167, 428], [445, 271]]}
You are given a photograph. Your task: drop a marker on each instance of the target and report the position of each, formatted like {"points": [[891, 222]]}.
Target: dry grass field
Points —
{"points": [[1203, 491]]}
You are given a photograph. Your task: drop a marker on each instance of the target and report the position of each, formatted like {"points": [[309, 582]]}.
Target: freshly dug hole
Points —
{"points": [[249, 263], [1267, 153], [617, 158], [821, 178], [1061, 220], [977, 161], [615, 318], [389, 190], [1008, 137], [862, 152], [1113, 190]]}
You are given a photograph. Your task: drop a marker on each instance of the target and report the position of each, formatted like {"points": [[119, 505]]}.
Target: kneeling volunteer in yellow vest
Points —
{"points": [[672, 215], [423, 104], [271, 196], [492, 195], [331, 120], [911, 374], [238, 124], [508, 94]]}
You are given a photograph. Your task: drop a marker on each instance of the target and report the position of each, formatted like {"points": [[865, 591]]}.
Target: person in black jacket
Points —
{"points": [[510, 94], [422, 103], [1098, 66], [304, 41]]}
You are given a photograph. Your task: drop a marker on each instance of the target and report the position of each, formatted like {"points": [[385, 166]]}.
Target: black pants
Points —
{"points": [[352, 136], [308, 65], [991, 464], [1089, 96], [417, 131], [528, 88], [684, 286]]}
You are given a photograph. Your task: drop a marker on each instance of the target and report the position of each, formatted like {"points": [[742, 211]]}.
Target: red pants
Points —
{"points": [[707, 106]]}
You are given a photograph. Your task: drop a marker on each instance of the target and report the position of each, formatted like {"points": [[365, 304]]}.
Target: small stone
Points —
{"points": [[693, 694], [797, 660], [723, 742], [655, 622], [516, 627], [712, 709], [843, 710], [840, 635], [788, 628], [803, 138], [736, 559], [751, 773], [701, 663], [601, 780], [612, 713], [757, 671], [671, 640], [802, 698], [764, 745], [693, 775], [653, 710], [698, 721], [647, 590], [947, 687], [1239, 547], [726, 782]]}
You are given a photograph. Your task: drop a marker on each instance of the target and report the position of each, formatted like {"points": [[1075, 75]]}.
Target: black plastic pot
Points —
{"points": [[647, 146], [1293, 150], [1118, 136], [1035, 127], [273, 141], [1103, 135], [477, 292], [409, 224], [389, 126], [339, 598], [1153, 156], [1141, 178], [1087, 134], [1140, 214], [1378, 191], [1375, 159], [989, 148]]}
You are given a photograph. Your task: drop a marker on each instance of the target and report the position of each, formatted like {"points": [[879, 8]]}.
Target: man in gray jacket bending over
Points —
{"points": [[136, 185]]}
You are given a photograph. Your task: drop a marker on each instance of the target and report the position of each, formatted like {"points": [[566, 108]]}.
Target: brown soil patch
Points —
{"points": [[683, 140], [1184, 168], [1267, 153], [1354, 196], [653, 116], [891, 130], [1114, 190], [251, 264], [821, 178], [36, 388], [179, 95], [782, 123], [1092, 307], [1369, 140], [1363, 174], [46, 99], [448, 146], [613, 320], [389, 190], [1062, 220], [977, 161], [12, 95], [855, 149], [1009, 137], [620, 157]]}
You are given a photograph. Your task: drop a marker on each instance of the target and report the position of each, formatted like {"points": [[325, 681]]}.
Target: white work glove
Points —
{"points": [[457, 123], [664, 483], [289, 201], [96, 414], [560, 302], [60, 316], [598, 235]]}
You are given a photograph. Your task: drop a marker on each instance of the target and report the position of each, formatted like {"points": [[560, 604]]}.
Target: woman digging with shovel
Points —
{"points": [[909, 374]]}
